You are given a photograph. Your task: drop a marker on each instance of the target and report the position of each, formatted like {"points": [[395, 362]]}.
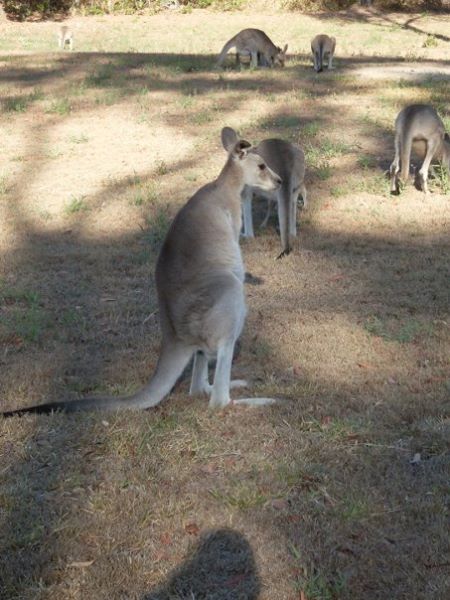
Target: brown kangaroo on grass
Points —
{"points": [[321, 46], [415, 123], [289, 162], [260, 47]]}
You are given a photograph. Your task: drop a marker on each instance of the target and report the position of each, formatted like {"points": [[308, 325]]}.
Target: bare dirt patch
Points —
{"points": [[338, 492]]}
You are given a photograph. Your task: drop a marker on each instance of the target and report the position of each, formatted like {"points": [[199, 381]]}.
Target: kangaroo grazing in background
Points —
{"points": [[200, 287], [289, 162], [65, 36], [323, 45], [415, 123], [254, 41]]}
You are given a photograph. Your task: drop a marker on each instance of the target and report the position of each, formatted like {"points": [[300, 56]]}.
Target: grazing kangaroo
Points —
{"points": [[289, 162], [418, 122], [323, 45], [65, 36], [254, 41], [200, 288]]}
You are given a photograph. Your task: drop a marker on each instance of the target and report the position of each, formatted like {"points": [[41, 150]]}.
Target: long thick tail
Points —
{"points": [[405, 153], [230, 44], [171, 364], [320, 58]]}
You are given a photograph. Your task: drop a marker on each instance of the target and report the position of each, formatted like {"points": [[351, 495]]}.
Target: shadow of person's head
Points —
{"points": [[220, 567]]}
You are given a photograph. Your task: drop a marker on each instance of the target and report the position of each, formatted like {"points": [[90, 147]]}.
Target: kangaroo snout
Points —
{"points": [[275, 180]]}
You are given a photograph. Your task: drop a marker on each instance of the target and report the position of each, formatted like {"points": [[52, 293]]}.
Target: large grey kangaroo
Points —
{"points": [[200, 287], [289, 162], [254, 41], [323, 45], [418, 122]]}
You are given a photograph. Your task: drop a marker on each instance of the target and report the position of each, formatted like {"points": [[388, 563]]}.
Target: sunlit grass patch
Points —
{"points": [[76, 205], [61, 106], [80, 138], [403, 331]]}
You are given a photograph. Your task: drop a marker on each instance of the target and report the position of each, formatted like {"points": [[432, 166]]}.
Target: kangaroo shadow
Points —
{"points": [[220, 567]]}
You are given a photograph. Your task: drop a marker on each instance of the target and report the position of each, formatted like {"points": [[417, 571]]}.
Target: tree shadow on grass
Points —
{"points": [[45, 483], [373, 16]]}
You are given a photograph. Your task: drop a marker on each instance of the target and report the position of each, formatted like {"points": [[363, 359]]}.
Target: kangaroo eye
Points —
{"points": [[262, 167]]}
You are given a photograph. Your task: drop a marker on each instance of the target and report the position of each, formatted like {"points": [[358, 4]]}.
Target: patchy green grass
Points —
{"points": [[61, 106], [78, 139], [76, 205], [22, 318], [19, 104], [398, 331]]}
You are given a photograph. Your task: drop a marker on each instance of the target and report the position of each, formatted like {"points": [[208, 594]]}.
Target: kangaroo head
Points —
{"points": [[255, 170], [280, 57]]}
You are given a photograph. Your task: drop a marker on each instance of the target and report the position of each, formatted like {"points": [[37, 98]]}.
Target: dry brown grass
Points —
{"points": [[351, 331]]}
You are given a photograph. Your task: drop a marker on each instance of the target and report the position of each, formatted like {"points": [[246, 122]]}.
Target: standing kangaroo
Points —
{"points": [[418, 122], [254, 42], [200, 288], [65, 36], [323, 45], [289, 162]]}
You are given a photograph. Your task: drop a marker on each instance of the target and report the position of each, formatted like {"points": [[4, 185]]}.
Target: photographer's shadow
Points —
{"points": [[220, 567]]}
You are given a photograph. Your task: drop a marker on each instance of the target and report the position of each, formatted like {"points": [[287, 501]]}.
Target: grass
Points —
{"points": [[79, 139], [61, 106], [3, 184], [19, 104], [22, 318], [76, 205], [443, 178], [403, 332], [339, 491]]}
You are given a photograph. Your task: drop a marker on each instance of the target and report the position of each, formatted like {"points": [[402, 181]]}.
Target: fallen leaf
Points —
{"points": [[165, 539], [294, 518], [80, 564], [192, 529], [364, 366], [280, 504], [235, 580], [337, 277]]}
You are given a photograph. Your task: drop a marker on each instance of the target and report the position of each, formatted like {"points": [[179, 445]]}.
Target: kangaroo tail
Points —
{"points": [[284, 216], [320, 58], [230, 44], [405, 153], [170, 365]]}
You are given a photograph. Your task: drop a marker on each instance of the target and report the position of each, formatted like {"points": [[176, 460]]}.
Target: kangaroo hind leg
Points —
{"points": [[199, 381], [423, 173]]}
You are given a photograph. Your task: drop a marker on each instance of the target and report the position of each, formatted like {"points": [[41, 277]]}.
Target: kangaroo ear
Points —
{"points": [[285, 49], [229, 138], [240, 150]]}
